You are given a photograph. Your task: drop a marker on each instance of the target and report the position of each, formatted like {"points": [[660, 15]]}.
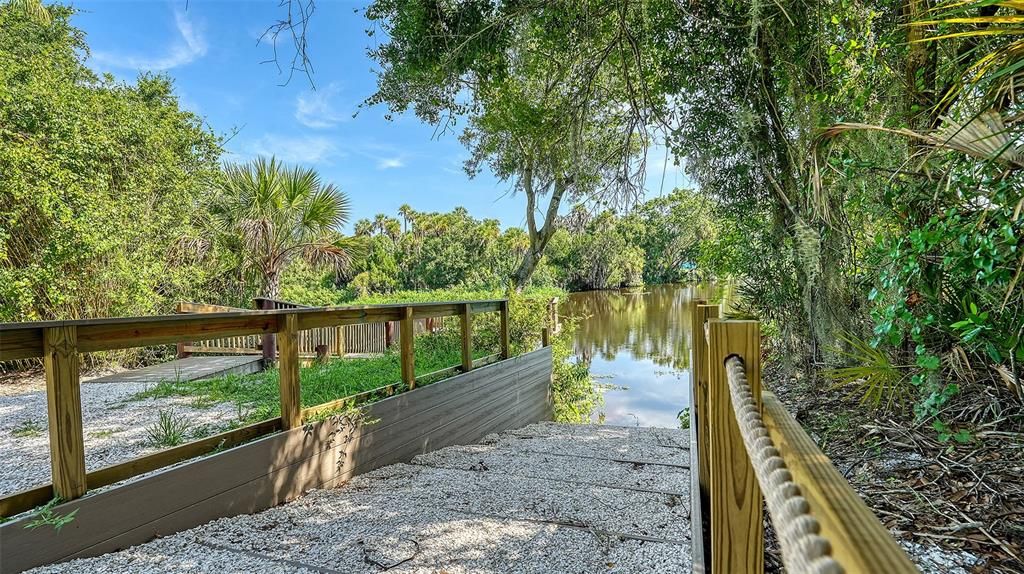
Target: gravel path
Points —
{"points": [[547, 498], [114, 426]]}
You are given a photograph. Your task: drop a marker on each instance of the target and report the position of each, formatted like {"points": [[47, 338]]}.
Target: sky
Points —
{"points": [[220, 72]]}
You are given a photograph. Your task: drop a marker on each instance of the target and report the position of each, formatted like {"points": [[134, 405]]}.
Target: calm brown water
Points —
{"points": [[638, 344]]}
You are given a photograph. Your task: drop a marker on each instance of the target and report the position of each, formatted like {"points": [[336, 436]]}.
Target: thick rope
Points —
{"points": [[804, 550]]}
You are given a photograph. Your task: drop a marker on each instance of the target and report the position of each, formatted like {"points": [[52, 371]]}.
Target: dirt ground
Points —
{"points": [[955, 507]]}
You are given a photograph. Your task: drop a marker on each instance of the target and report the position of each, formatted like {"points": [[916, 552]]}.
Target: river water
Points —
{"points": [[638, 347]]}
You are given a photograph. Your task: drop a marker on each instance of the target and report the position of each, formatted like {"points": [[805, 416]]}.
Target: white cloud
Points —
{"points": [[190, 46], [390, 162], [293, 149], [316, 109]]}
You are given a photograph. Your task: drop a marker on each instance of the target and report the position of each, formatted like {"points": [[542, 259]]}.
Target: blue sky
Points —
{"points": [[210, 49]]}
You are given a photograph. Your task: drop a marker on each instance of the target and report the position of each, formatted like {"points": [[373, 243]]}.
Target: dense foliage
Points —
{"points": [[666, 239], [98, 181], [862, 159]]}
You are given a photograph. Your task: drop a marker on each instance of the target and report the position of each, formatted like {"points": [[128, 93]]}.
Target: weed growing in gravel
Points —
{"points": [[105, 433], [169, 430], [47, 517], [27, 428]]}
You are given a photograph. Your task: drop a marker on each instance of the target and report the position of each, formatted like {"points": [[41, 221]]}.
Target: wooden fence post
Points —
{"points": [[291, 406], [268, 341], [503, 331], [702, 313], [64, 409], [406, 335], [545, 337], [466, 322], [737, 522]]}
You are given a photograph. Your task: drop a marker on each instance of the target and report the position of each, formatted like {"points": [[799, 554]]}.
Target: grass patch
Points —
{"points": [[257, 396], [27, 428]]}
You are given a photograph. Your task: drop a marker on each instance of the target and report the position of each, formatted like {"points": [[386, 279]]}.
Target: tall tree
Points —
{"points": [[271, 214], [546, 89]]}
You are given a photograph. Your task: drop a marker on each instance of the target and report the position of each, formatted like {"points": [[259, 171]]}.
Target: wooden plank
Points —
{"points": [[466, 325], [189, 307], [64, 411], [697, 514], [279, 468], [700, 416], [37, 496], [503, 342], [24, 343], [288, 357], [436, 310], [859, 541], [407, 356], [145, 332], [737, 532], [26, 499], [348, 316], [486, 306], [24, 340]]}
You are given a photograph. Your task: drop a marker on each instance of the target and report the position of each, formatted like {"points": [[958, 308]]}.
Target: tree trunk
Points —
{"points": [[920, 71], [539, 237], [272, 287]]}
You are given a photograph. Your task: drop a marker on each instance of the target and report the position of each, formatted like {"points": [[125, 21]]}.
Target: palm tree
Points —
{"points": [[272, 214]]}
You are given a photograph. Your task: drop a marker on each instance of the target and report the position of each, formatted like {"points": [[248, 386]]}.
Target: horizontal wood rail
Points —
{"points": [[61, 342], [746, 442]]}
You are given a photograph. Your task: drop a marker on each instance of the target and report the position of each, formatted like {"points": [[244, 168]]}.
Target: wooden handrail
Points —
{"points": [[858, 541], [25, 340], [61, 342]]}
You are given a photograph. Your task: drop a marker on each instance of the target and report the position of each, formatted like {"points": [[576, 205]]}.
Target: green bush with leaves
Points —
{"points": [[100, 180]]}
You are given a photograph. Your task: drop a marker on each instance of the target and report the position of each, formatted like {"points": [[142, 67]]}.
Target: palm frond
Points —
{"points": [[872, 374]]}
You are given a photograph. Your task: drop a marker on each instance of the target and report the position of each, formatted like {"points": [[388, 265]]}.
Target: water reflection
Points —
{"points": [[639, 343]]}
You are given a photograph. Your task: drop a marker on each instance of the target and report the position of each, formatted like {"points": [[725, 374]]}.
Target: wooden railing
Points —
{"points": [[59, 344], [835, 531], [361, 339]]}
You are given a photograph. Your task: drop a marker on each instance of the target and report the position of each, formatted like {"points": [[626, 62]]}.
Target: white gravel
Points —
{"points": [[447, 512], [114, 428]]}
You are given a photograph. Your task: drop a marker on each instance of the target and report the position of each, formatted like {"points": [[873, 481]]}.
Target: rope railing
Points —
{"points": [[804, 550], [750, 453]]}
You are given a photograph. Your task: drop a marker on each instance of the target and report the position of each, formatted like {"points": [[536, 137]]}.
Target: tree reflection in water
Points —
{"points": [[638, 342]]}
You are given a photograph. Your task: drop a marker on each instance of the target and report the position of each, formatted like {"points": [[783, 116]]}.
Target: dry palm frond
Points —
{"points": [[1015, 384], [985, 137]]}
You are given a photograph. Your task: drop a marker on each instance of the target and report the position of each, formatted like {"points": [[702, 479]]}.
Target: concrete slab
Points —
{"points": [[446, 512], [188, 369]]}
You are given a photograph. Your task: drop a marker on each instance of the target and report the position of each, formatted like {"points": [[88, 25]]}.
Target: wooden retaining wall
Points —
{"points": [[278, 468]]}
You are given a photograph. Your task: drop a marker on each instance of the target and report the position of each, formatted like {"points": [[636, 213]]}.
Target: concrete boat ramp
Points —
{"points": [[544, 498]]}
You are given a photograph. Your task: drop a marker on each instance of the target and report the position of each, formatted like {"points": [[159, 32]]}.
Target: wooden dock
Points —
{"points": [[544, 498]]}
